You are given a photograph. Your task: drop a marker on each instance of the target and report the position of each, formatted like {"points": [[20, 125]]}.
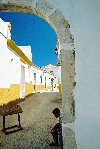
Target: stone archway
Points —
{"points": [[48, 11]]}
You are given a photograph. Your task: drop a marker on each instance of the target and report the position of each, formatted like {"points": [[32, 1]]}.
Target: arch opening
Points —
{"points": [[66, 56]]}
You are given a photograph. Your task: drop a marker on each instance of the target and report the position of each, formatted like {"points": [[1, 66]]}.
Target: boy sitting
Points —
{"points": [[57, 129]]}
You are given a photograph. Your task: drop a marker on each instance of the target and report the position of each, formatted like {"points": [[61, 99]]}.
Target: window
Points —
{"points": [[34, 76], [51, 72]]}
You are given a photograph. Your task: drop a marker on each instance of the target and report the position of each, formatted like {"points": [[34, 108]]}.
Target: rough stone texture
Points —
{"points": [[68, 104], [26, 2], [62, 27], [47, 10], [68, 84], [16, 8], [45, 6]]}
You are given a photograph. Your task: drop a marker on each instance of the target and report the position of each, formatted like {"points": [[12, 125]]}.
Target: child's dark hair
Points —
{"points": [[56, 111]]}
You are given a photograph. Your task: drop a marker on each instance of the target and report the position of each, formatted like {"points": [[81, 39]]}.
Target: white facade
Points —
{"points": [[8, 59], [27, 51], [43, 78], [55, 70], [17, 71]]}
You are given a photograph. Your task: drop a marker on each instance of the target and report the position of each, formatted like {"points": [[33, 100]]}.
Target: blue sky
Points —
{"points": [[28, 29]]}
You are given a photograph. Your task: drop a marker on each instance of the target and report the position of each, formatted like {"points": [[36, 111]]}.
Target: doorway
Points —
{"points": [[22, 82]]}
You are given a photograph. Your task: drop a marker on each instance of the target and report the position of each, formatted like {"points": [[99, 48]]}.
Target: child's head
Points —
{"points": [[56, 112]]}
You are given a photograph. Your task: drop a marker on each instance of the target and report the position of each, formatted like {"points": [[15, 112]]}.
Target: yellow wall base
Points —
{"points": [[60, 89], [40, 87], [49, 87], [28, 88], [9, 94]]}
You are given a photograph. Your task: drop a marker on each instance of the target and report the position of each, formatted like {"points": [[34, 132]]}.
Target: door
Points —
{"points": [[52, 83], [35, 81], [22, 82]]}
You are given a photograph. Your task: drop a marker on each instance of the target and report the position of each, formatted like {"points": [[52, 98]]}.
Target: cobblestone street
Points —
{"points": [[37, 120]]}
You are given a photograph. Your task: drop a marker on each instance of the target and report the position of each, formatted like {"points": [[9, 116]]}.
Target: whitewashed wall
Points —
{"points": [[27, 51], [10, 66], [9, 74], [84, 19], [28, 70]]}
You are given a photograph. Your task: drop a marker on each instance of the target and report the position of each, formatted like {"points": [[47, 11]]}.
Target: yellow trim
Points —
{"points": [[22, 60], [16, 49], [60, 89]]}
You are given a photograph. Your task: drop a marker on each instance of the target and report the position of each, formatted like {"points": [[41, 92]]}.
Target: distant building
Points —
{"points": [[56, 71], [43, 80]]}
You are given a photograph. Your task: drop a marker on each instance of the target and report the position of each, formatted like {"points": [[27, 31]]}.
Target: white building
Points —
{"points": [[18, 76], [43, 80], [56, 71]]}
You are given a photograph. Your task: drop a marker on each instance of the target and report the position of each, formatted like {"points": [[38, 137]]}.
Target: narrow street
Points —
{"points": [[37, 120]]}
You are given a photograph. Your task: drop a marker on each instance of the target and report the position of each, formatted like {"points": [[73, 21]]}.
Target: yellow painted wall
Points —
{"points": [[40, 87], [28, 88], [60, 89], [9, 94], [49, 87]]}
